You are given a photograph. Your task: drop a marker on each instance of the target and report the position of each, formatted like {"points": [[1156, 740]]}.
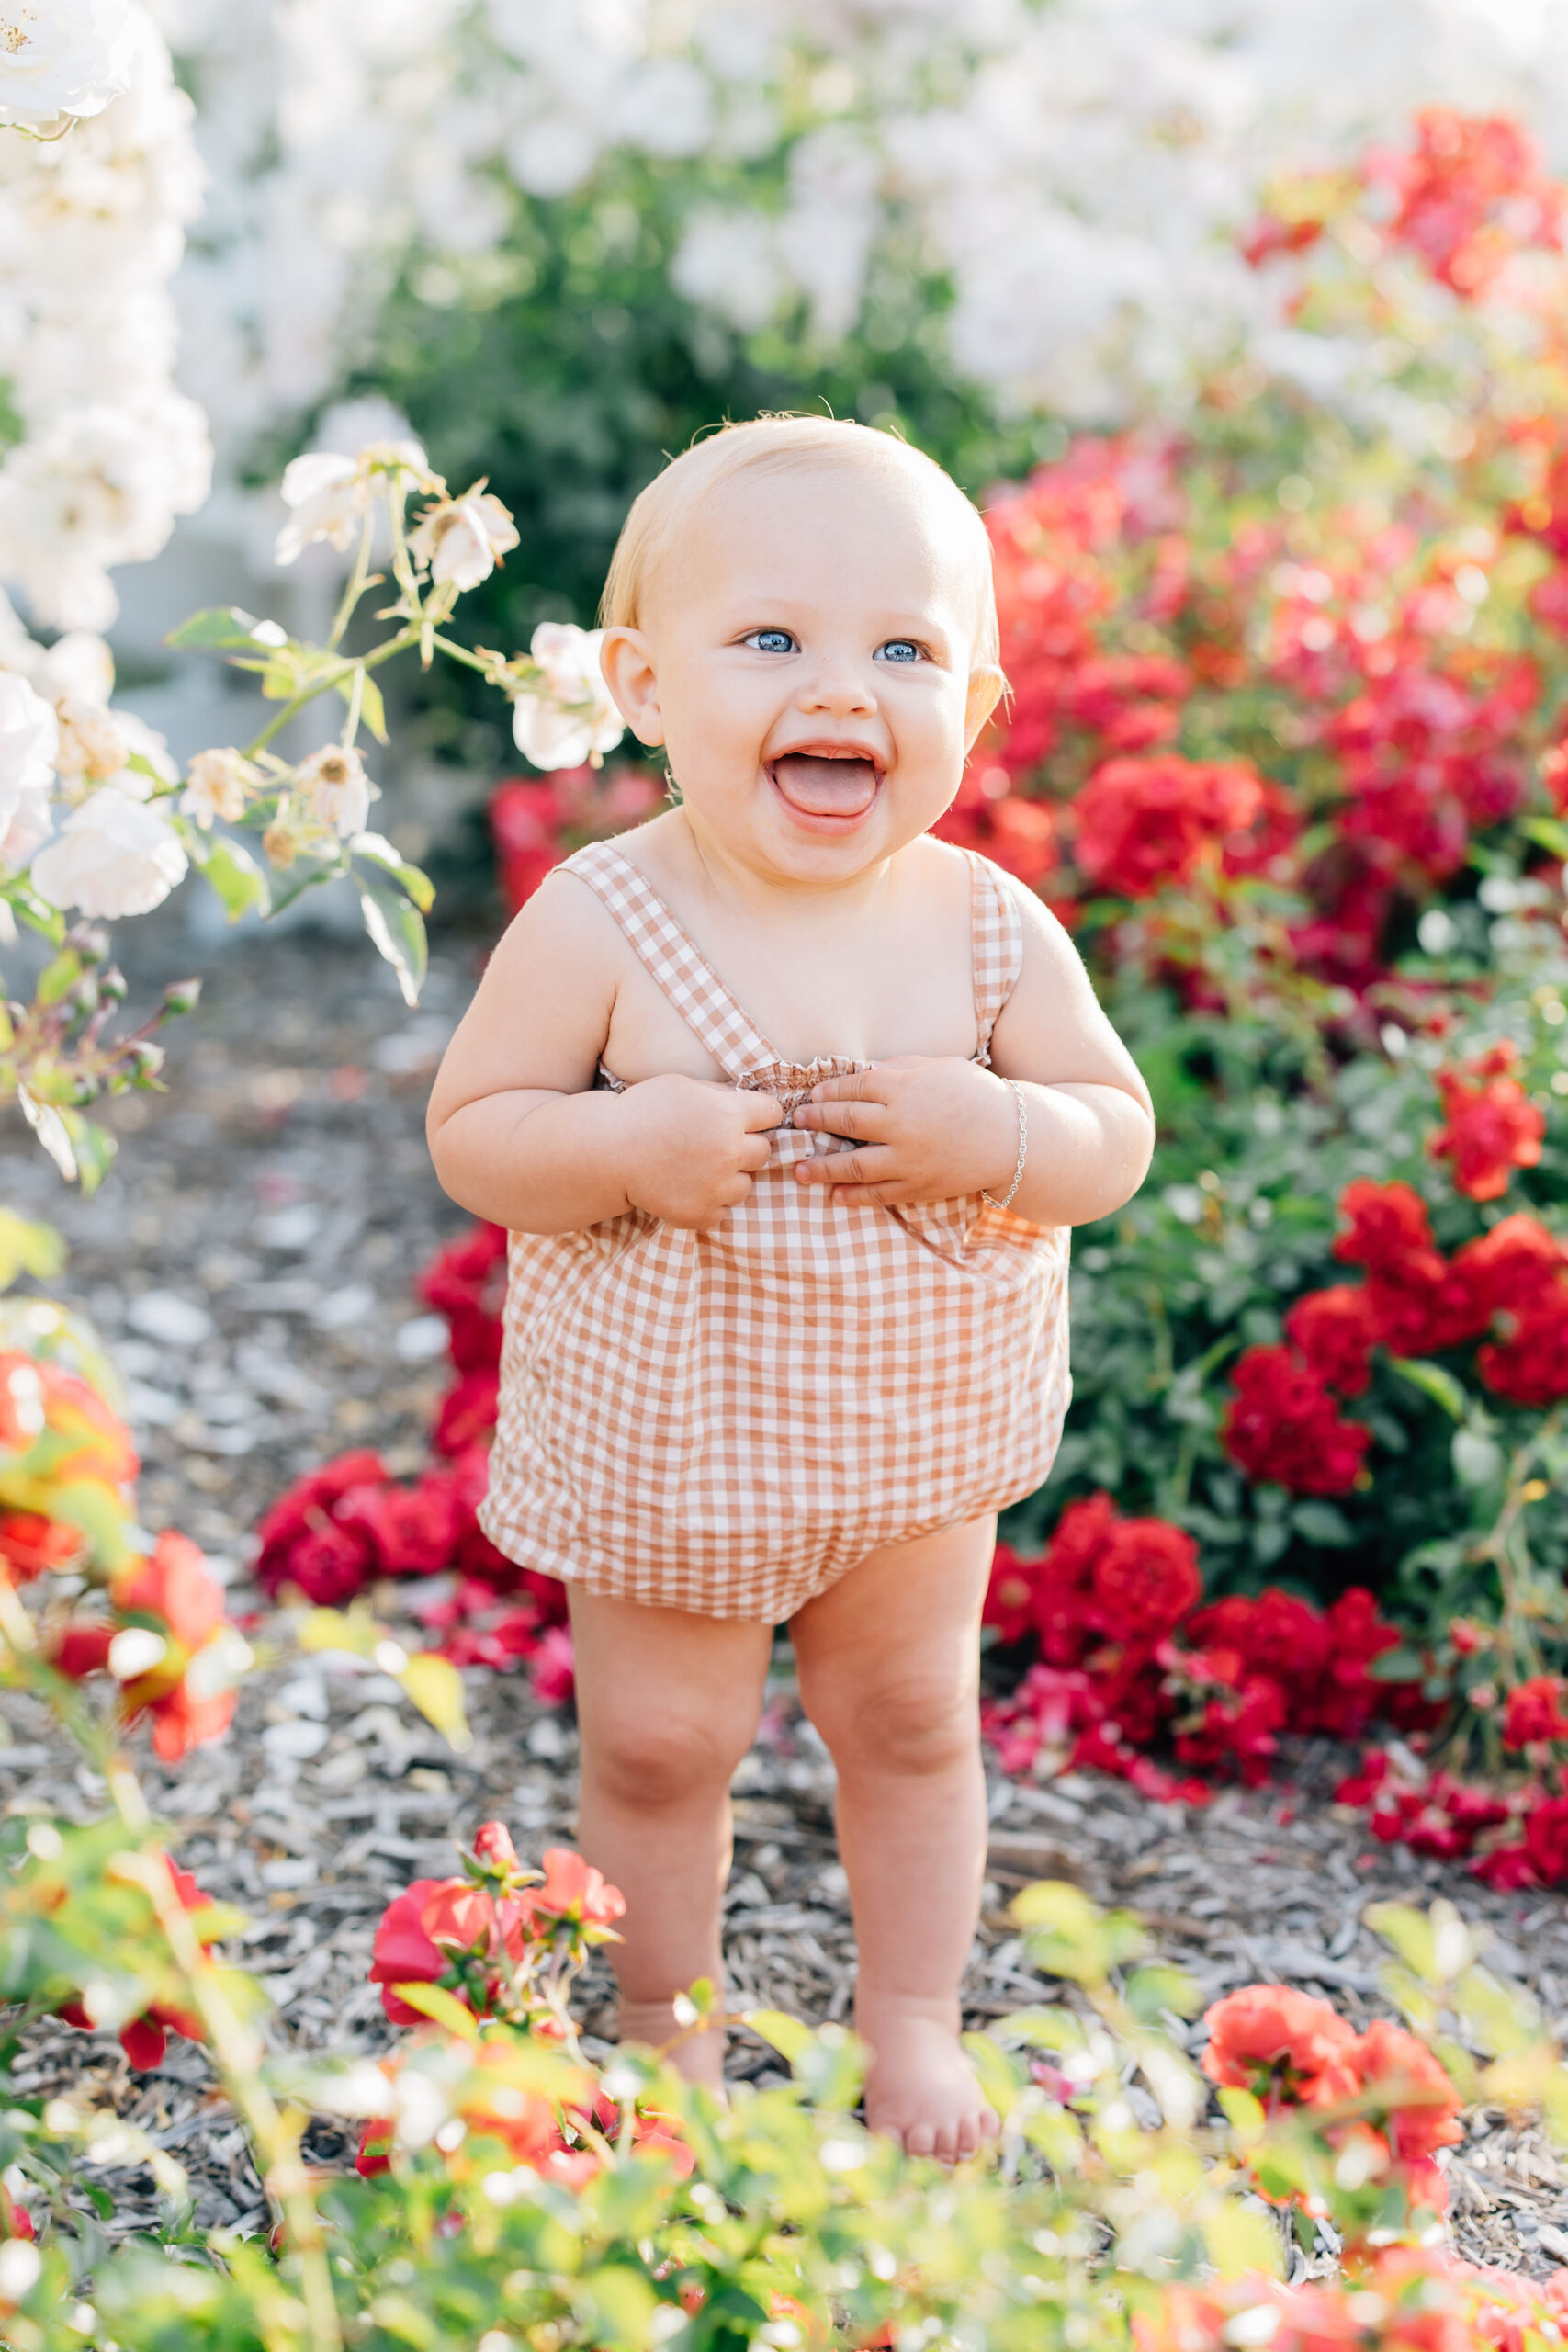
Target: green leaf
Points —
{"points": [[1322, 1523], [1001, 2077], [397, 929], [787, 2035], [1434, 1381], [372, 709], [435, 1687], [222, 625], [442, 2008], [233, 873], [418, 885], [27, 1248], [1548, 831], [36, 912], [1244, 2113]]}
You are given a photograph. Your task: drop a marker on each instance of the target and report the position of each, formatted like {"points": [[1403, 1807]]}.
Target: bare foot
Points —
{"points": [[698, 2056], [921, 2088]]}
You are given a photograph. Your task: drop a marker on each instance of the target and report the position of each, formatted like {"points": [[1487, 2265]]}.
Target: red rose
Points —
{"points": [[574, 1889], [412, 1531], [467, 1410], [554, 1671], [1534, 1712], [493, 1847], [1530, 1367], [1422, 2113], [1418, 1306], [1388, 1222], [1491, 1128], [82, 1649], [181, 1723], [1142, 824], [1333, 1329], [1283, 1427], [1145, 1579], [329, 1563], [1277, 2042], [402, 1952], [30, 1544], [175, 1585], [304, 1511], [1515, 1268], [1010, 1596]]}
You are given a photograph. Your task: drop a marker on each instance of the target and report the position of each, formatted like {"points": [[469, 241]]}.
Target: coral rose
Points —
{"points": [[1277, 2042], [1490, 1128]]}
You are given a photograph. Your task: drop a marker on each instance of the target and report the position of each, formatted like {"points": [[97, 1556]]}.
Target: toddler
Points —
{"points": [[787, 1107]]}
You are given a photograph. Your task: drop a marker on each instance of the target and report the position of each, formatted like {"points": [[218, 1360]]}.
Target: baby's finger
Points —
{"points": [[863, 1122], [856, 1086], [755, 1152], [760, 1110], [872, 1166]]}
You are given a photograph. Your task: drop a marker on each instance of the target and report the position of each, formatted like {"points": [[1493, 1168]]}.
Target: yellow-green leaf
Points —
{"points": [[435, 1688], [442, 2008]]}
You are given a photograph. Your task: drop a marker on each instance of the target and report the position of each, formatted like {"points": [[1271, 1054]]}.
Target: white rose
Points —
{"points": [[568, 716], [328, 495], [29, 739], [63, 57], [216, 786], [24, 829], [339, 791], [463, 540], [91, 740], [78, 667], [114, 856]]}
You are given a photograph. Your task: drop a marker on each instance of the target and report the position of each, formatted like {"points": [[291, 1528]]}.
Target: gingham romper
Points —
{"points": [[725, 1422]]}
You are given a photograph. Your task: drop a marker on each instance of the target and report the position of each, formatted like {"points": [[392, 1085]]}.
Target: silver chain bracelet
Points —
{"points": [[1017, 1093]]}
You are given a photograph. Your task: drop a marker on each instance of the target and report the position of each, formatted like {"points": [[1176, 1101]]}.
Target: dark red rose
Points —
{"points": [[1333, 1329]]}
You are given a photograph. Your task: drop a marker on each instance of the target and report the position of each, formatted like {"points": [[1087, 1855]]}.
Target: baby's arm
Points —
{"points": [[933, 1130], [515, 1130]]}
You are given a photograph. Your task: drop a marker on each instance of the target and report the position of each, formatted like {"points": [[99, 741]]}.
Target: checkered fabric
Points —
{"points": [[726, 1421]]}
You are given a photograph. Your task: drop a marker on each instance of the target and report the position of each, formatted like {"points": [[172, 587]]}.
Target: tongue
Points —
{"points": [[821, 788]]}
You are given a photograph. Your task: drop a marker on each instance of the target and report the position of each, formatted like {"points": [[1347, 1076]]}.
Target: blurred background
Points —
{"points": [[560, 238]]}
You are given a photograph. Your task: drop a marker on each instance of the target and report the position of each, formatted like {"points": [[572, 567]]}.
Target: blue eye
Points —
{"points": [[900, 648], [772, 640]]}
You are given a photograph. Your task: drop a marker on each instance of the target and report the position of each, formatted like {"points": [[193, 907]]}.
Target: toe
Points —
{"points": [[990, 2124], [919, 2139], [946, 2149], [968, 2136]]}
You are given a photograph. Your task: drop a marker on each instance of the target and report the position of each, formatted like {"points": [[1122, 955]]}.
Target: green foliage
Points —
{"points": [[565, 367]]}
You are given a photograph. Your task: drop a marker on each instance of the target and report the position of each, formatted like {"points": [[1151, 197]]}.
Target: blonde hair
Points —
{"points": [[769, 445]]}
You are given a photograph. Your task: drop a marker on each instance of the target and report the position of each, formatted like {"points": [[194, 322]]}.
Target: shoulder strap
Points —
{"points": [[998, 948], [687, 978]]}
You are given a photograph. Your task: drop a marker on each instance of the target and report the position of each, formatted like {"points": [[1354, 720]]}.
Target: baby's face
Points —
{"points": [[807, 660]]}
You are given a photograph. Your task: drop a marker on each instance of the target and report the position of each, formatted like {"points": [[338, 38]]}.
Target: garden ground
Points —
{"points": [[250, 1265]]}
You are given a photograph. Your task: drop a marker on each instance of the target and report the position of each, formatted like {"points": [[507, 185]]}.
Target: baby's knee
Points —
{"points": [[906, 1723], [652, 1764]]}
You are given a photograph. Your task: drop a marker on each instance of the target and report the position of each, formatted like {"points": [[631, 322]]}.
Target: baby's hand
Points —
{"points": [[691, 1147], [928, 1130]]}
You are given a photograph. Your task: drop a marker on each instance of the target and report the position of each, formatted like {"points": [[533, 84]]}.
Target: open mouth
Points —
{"points": [[831, 785]]}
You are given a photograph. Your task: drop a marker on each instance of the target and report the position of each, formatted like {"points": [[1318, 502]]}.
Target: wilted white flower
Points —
{"points": [[30, 738], [339, 791], [216, 786], [62, 57], [463, 538], [114, 856], [568, 716], [91, 741], [328, 494]]}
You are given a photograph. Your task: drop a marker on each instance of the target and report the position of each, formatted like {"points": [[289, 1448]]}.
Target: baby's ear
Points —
{"points": [[986, 686], [626, 663]]}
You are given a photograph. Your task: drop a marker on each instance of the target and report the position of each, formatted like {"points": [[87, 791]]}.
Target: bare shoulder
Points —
{"points": [[1052, 1028], [541, 1013]]}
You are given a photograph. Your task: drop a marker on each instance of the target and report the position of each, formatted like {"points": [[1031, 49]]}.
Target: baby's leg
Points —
{"points": [[890, 1674], [668, 1704]]}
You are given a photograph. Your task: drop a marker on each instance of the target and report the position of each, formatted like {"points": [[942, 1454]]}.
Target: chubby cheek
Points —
{"points": [[714, 739]]}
